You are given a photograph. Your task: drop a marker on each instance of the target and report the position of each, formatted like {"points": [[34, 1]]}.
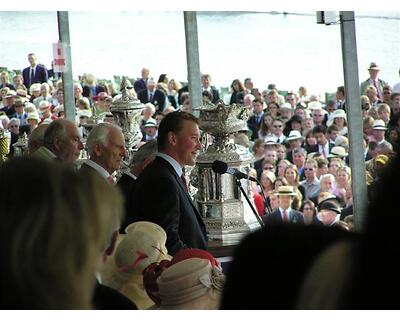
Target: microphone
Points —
{"points": [[222, 167]]}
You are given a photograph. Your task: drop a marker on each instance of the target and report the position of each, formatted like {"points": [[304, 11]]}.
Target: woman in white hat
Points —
{"points": [[339, 118]]}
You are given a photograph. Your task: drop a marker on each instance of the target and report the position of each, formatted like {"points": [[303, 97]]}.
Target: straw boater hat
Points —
{"points": [[338, 152], [286, 191], [286, 105], [313, 105], [336, 114], [269, 141], [379, 125], [33, 116], [342, 141], [294, 135], [191, 284]]}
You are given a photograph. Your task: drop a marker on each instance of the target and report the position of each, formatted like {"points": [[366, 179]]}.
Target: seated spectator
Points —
{"points": [[192, 280], [55, 238], [143, 244]]}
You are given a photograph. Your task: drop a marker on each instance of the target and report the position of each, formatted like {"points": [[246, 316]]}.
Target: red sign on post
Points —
{"points": [[59, 57]]}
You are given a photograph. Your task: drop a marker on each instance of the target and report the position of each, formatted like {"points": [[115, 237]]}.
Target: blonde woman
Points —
{"points": [[56, 236]]}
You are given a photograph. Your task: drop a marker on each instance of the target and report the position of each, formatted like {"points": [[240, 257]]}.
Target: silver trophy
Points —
{"points": [[224, 209], [127, 110]]}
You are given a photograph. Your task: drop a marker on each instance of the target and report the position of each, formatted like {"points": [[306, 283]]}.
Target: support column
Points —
{"points": [[63, 33], [354, 118], [192, 57]]}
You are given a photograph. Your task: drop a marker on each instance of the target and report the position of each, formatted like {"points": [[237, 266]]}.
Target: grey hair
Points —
{"points": [[99, 135], [55, 129], [149, 149]]}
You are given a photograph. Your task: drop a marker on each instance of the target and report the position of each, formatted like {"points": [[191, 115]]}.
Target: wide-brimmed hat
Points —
{"points": [[313, 105], [286, 191], [11, 94], [143, 244], [294, 135], [338, 152], [269, 141], [342, 141], [339, 113], [331, 204], [379, 125], [286, 106], [374, 66], [33, 116], [270, 175], [191, 284]]}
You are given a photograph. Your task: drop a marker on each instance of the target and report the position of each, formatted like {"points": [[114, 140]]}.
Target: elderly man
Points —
{"points": [[35, 73], [106, 147], [153, 95], [61, 141], [127, 183], [162, 194]]}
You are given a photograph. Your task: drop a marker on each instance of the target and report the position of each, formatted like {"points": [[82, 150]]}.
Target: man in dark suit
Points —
{"points": [[106, 146], [284, 214], [141, 83], [206, 86], [161, 195], [254, 122], [35, 73], [153, 95], [323, 146], [127, 183]]}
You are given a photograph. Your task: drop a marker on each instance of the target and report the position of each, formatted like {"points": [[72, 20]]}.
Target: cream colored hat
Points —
{"points": [[336, 114], [338, 152], [294, 134], [286, 191], [191, 284], [143, 244]]}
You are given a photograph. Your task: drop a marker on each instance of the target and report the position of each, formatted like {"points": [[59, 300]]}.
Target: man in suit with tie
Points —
{"points": [[206, 86], [161, 195], [373, 80], [35, 73], [153, 95], [106, 147], [284, 214], [141, 83], [255, 120]]}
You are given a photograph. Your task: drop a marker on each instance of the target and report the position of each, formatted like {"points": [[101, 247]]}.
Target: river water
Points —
{"points": [[286, 49]]}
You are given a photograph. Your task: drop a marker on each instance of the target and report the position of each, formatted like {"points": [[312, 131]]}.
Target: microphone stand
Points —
{"points": [[239, 184]]}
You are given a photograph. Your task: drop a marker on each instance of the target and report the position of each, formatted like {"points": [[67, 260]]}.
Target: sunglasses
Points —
{"points": [[268, 168], [14, 126], [277, 126], [308, 169]]}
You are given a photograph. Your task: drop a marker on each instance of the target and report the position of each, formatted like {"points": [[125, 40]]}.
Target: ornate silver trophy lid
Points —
{"points": [[221, 121], [127, 110]]}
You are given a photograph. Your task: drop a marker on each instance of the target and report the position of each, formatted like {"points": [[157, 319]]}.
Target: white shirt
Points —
{"points": [[177, 167], [288, 210], [325, 147], [104, 173]]}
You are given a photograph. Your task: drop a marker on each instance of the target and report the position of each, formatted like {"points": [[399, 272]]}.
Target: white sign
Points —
{"points": [[59, 57]]}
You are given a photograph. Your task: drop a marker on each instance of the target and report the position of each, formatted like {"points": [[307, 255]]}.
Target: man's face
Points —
{"points": [[145, 73], [396, 104], [205, 82], [286, 113], [310, 171], [187, 143], [272, 98], [14, 127], [285, 201], [114, 151], [320, 137], [257, 107], [271, 155], [333, 135], [373, 74], [277, 128], [248, 84], [308, 124], [327, 217], [19, 108], [318, 116], [298, 159], [151, 85], [70, 148], [379, 135], [150, 131], [32, 59], [290, 98]]}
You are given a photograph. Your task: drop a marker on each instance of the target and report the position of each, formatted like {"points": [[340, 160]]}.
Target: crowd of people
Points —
{"points": [[95, 241]]}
